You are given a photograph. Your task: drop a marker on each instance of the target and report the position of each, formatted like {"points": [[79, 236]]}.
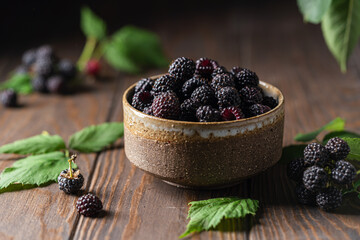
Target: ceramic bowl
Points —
{"points": [[204, 155]]}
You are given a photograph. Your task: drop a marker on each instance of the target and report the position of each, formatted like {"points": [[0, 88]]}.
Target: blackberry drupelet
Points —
{"points": [[228, 97], [295, 169], [245, 77], [338, 149], [251, 95], [141, 100], [315, 178], [39, 84], [166, 105], [219, 70], [315, 154], [164, 83], [144, 84], [191, 84], [70, 185], [89, 205], [188, 110], [205, 67], [235, 70], [232, 113], [204, 95], [257, 109], [269, 101], [329, 199], [182, 68], [222, 80], [29, 57], [9, 98], [148, 110], [56, 84], [305, 196], [344, 173], [208, 114], [66, 69]]}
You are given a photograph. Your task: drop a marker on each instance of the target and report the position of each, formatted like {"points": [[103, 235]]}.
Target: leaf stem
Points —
{"points": [[72, 159], [87, 52]]}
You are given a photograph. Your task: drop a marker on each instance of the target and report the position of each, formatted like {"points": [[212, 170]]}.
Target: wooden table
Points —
{"points": [[278, 46]]}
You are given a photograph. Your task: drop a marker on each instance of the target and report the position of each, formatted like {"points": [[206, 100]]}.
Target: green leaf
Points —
{"points": [[20, 83], [96, 137], [313, 10], [292, 152], [131, 49], [337, 124], [341, 29], [38, 144], [92, 25], [354, 144], [340, 134], [207, 214], [33, 171]]}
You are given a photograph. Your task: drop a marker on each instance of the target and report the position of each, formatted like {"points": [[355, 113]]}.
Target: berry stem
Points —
{"points": [[72, 159], [87, 52]]}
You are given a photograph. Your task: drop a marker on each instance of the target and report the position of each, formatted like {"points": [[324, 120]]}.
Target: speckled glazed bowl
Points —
{"points": [[204, 155]]}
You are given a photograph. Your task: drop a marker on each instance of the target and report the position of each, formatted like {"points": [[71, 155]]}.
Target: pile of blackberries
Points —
{"points": [[202, 91], [322, 174]]}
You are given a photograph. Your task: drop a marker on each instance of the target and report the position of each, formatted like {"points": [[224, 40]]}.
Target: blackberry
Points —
{"points": [[39, 84], [251, 95], [45, 52], [144, 84], [182, 68], [344, 173], [9, 98], [315, 154], [219, 70], [315, 178], [89, 205], [188, 110], [29, 57], [232, 113], [222, 80], [258, 109], [208, 114], [204, 95], [166, 105], [148, 111], [191, 84], [205, 67], [56, 84], [245, 77], [43, 67], [66, 69], [338, 149], [235, 70], [165, 83], [329, 199], [69, 180], [305, 196], [295, 169], [228, 97], [269, 101], [141, 100]]}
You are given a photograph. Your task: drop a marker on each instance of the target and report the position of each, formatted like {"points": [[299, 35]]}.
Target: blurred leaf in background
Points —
{"points": [[20, 83]]}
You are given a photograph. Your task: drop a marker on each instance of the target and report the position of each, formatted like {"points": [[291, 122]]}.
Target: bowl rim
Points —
{"points": [[262, 83]]}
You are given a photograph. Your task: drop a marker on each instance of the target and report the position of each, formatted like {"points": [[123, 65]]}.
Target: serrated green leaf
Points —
{"points": [[339, 134], [35, 145], [33, 171], [292, 152], [354, 144], [95, 138], [341, 29], [92, 25], [131, 49], [207, 214], [20, 83], [313, 10], [337, 124]]}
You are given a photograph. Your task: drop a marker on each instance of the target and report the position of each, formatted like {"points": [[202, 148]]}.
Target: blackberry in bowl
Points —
{"points": [[212, 144]]}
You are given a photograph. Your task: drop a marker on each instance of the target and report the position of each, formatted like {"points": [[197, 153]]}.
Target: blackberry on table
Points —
{"points": [[344, 173], [9, 98], [337, 148], [144, 84], [227, 97], [295, 169], [29, 57], [204, 95], [182, 68], [305, 196], [141, 100], [43, 67], [166, 105], [219, 70], [89, 205], [45, 52], [164, 83], [245, 77], [329, 199], [269, 101], [191, 84], [66, 69], [258, 109], [205, 67], [39, 84], [232, 113], [56, 84], [315, 154], [251, 95], [315, 178], [208, 114], [222, 80], [188, 110], [70, 180]]}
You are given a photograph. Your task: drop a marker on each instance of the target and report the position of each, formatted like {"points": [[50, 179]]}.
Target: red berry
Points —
{"points": [[232, 113], [93, 67]]}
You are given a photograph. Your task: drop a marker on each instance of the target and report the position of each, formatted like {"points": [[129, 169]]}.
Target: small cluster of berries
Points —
{"points": [[322, 173], [202, 91], [71, 181]]}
